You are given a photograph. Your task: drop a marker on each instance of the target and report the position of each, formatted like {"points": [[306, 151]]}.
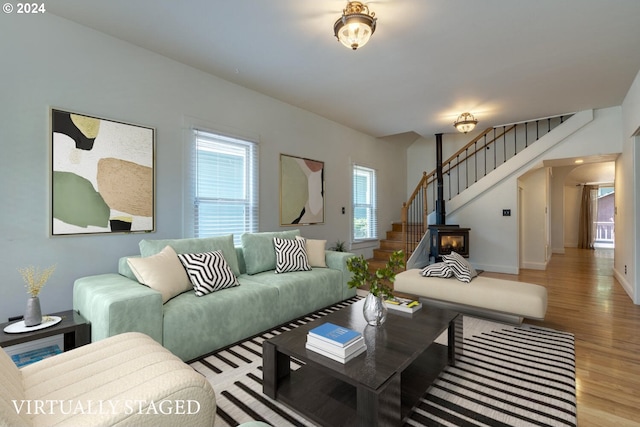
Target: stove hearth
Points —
{"points": [[448, 238]]}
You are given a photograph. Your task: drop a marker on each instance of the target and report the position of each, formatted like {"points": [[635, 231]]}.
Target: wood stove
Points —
{"points": [[445, 238], [448, 238]]}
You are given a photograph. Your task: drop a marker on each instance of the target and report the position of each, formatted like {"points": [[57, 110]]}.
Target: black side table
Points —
{"points": [[76, 330]]}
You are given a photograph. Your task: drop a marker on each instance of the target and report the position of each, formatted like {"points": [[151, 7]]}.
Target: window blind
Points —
{"points": [[224, 185], [365, 209]]}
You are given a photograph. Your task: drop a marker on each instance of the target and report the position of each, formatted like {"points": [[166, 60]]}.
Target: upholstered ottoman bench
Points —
{"points": [[500, 299], [124, 380]]}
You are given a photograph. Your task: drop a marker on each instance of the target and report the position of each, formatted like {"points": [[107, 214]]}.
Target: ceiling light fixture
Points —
{"points": [[356, 25], [465, 123]]}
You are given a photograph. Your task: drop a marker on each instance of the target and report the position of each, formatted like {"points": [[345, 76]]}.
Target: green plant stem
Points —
{"points": [[377, 282]]}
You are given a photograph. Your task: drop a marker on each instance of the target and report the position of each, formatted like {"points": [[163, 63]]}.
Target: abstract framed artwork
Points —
{"points": [[301, 191], [102, 175]]}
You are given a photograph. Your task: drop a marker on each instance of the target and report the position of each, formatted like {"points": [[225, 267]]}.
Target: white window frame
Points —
{"points": [[371, 203], [248, 149]]}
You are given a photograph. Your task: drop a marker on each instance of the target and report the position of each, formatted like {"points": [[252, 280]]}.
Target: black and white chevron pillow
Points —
{"points": [[291, 255], [208, 272], [460, 266], [438, 269]]}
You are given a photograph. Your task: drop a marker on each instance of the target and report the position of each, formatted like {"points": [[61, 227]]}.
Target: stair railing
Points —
{"points": [[483, 154], [414, 215]]}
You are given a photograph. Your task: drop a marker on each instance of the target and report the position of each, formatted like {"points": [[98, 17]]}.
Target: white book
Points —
{"points": [[332, 348], [335, 357]]}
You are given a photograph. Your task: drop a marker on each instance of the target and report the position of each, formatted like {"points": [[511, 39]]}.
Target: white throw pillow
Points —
{"points": [[162, 272], [208, 272], [460, 266], [291, 255], [438, 269], [315, 251]]}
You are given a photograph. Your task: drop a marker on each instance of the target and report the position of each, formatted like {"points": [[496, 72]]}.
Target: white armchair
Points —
{"points": [[125, 380]]}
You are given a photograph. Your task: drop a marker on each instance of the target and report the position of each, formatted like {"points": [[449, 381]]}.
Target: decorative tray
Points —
{"points": [[19, 327]]}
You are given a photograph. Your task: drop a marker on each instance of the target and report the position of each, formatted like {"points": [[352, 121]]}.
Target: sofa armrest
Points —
{"points": [[338, 261], [115, 304]]}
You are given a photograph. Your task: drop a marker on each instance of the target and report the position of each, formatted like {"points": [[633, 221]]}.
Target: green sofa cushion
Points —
{"points": [[258, 250], [194, 326], [114, 305], [195, 246], [302, 292]]}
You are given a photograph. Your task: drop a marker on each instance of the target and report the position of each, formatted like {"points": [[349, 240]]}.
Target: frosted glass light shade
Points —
{"points": [[465, 123], [355, 27]]}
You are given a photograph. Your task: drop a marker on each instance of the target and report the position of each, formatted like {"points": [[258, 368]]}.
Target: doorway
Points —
{"points": [[604, 218]]}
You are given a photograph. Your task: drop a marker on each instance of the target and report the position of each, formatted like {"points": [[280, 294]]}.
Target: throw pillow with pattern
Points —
{"points": [[208, 272], [438, 269], [291, 255], [460, 267]]}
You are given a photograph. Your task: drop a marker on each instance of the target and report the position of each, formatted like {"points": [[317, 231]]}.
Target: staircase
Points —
{"points": [[392, 243], [489, 150]]}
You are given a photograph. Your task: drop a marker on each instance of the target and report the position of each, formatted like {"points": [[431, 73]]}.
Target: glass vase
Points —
{"points": [[374, 310], [33, 313]]}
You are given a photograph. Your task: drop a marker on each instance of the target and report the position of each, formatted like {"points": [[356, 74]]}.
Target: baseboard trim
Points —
{"points": [[496, 268], [534, 265], [625, 284]]}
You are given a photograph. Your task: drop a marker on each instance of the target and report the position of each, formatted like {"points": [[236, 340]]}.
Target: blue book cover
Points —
{"points": [[335, 334], [29, 357]]}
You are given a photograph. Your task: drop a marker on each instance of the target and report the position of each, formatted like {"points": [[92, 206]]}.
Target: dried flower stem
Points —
{"points": [[35, 279]]}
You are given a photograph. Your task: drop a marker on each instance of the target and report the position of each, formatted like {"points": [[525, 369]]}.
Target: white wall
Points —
{"points": [[48, 61], [535, 218], [493, 238], [560, 233], [627, 250], [572, 202]]}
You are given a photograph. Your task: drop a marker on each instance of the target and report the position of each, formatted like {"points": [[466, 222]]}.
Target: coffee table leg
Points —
{"points": [[455, 339], [275, 366], [382, 408]]}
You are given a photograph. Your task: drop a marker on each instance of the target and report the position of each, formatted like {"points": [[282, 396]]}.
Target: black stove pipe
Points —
{"points": [[440, 210]]}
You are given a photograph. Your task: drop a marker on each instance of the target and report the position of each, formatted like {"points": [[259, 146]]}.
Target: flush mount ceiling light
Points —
{"points": [[356, 25], [465, 123]]}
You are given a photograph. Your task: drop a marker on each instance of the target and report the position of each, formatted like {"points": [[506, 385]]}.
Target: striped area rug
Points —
{"points": [[507, 376]]}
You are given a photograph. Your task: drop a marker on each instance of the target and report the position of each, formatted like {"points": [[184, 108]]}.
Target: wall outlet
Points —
{"points": [[506, 212]]}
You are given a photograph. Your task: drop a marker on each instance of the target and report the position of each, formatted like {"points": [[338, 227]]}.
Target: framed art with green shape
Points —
{"points": [[102, 175]]}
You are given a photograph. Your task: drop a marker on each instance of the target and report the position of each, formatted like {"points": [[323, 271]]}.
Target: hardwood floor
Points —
{"points": [[586, 300]]}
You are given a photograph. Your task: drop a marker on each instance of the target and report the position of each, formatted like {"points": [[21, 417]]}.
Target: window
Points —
{"points": [[225, 185], [365, 213]]}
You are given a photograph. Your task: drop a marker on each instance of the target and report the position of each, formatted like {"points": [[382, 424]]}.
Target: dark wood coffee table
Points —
{"points": [[377, 388]]}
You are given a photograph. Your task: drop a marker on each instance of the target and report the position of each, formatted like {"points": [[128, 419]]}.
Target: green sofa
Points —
{"points": [[191, 326]]}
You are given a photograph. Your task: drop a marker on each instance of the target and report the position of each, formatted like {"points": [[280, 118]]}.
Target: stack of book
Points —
{"points": [[336, 342], [28, 357], [403, 304]]}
